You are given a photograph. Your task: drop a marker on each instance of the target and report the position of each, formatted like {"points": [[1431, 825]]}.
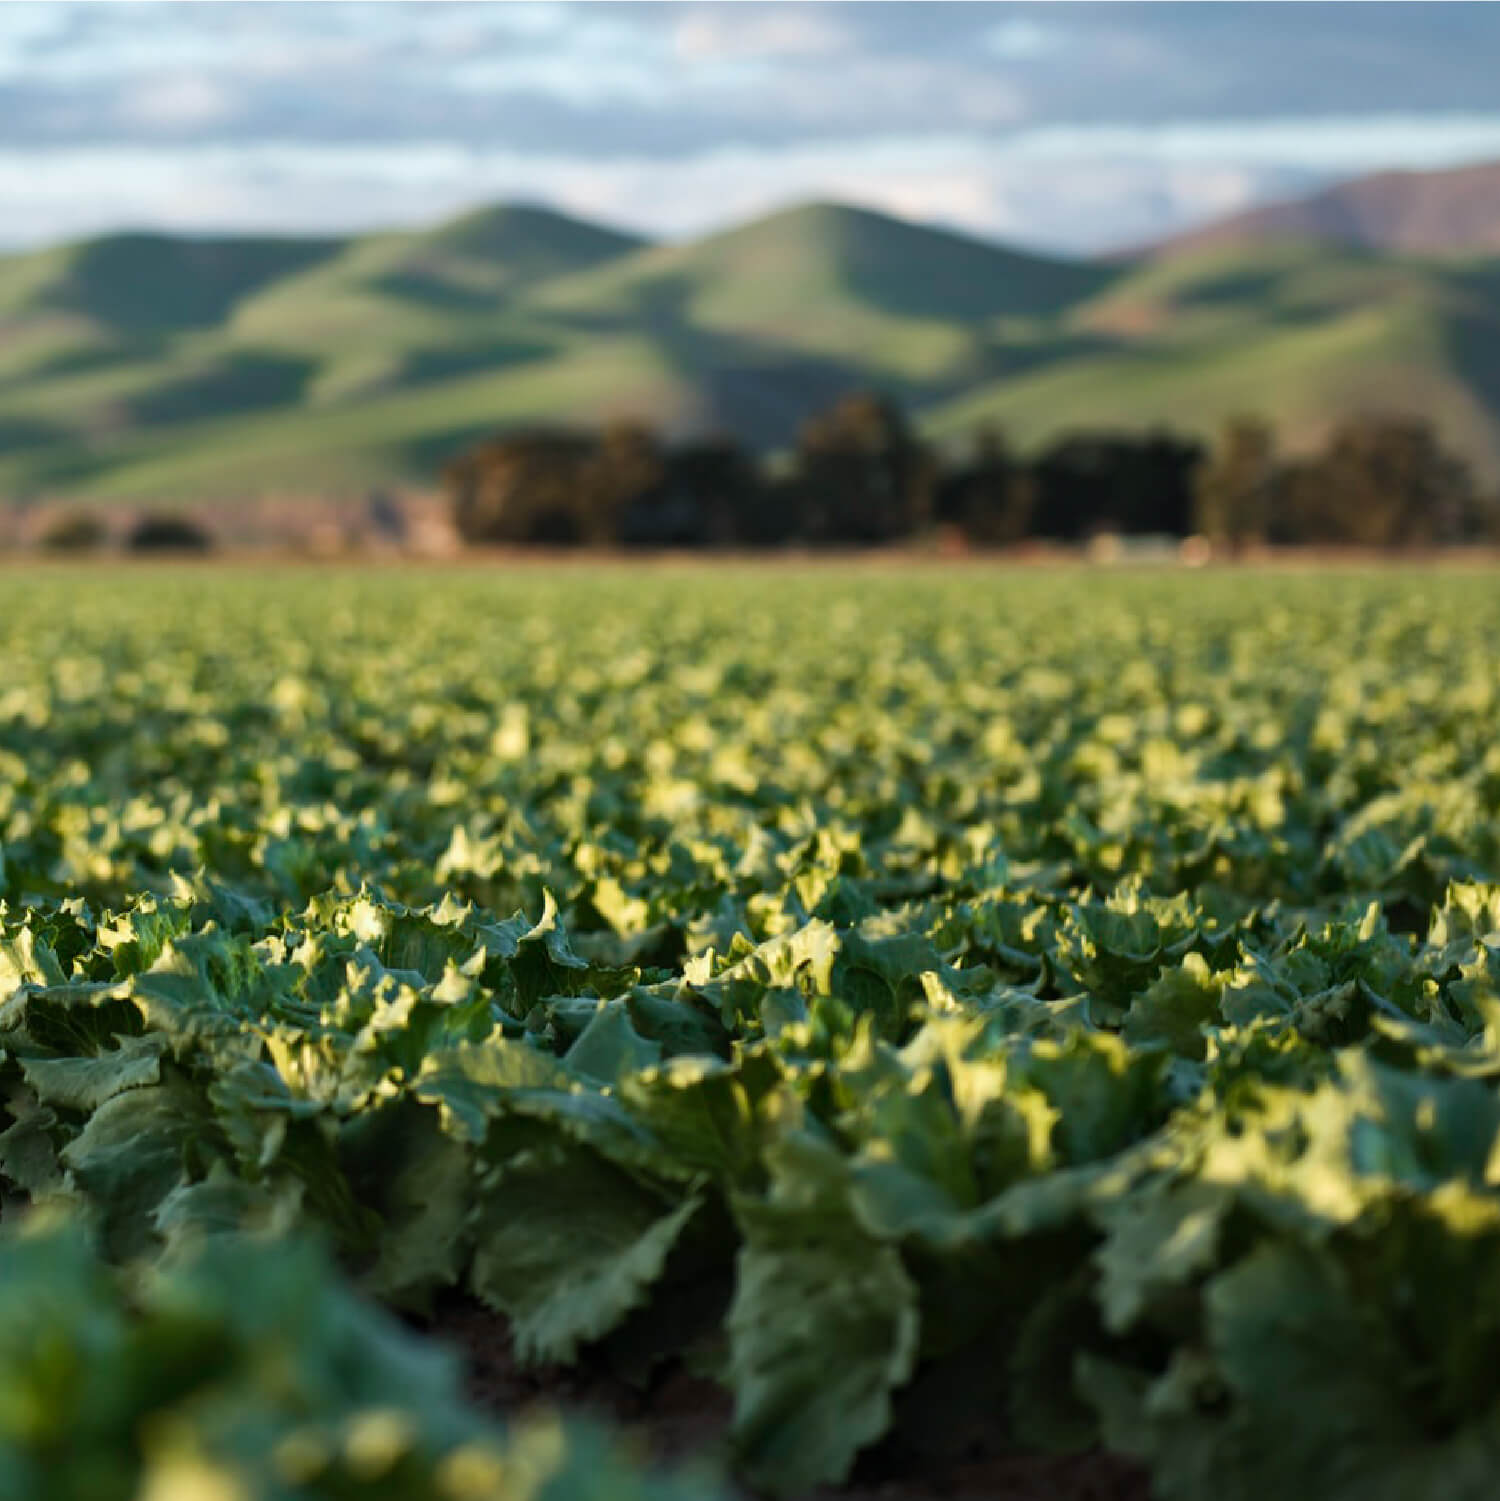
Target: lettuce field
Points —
{"points": [[936, 1018]]}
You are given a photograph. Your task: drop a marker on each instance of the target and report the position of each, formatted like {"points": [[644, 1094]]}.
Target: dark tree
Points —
{"points": [[619, 487], [1097, 482], [168, 534], [990, 498], [74, 531], [627, 470], [860, 476], [709, 496], [1235, 492], [519, 489], [864, 476], [1380, 481], [552, 487]]}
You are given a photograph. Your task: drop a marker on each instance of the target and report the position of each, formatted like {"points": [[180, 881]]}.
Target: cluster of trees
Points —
{"points": [[85, 531], [860, 476], [1377, 482]]}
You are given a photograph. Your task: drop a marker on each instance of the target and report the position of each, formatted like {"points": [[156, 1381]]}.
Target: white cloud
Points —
{"points": [[1078, 189], [962, 183], [658, 109], [1332, 143], [728, 31], [576, 81], [1020, 39], [908, 88], [177, 102], [23, 26]]}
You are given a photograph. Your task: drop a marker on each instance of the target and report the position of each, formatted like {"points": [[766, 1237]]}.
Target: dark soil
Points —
{"points": [[678, 1415]]}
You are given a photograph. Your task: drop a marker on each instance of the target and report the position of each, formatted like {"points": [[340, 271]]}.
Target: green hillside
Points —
{"points": [[906, 304], [149, 366], [1300, 333]]}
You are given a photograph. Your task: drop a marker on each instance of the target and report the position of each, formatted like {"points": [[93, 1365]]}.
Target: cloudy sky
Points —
{"points": [[1069, 126]]}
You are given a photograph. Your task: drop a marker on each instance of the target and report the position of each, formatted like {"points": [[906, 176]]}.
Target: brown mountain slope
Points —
{"points": [[1453, 211]]}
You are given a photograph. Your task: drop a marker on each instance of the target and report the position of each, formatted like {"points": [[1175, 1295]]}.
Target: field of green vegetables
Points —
{"points": [[961, 1009]]}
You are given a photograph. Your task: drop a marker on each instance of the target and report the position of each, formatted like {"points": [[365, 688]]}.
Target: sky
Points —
{"points": [[1070, 127]]}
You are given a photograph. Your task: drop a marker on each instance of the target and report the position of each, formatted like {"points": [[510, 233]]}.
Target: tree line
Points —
{"points": [[859, 475]]}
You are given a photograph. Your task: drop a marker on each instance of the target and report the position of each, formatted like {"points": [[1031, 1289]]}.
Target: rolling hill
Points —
{"points": [[1295, 332], [155, 367]]}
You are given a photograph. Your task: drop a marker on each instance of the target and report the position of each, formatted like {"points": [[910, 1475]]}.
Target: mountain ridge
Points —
{"points": [[1446, 211], [362, 361]]}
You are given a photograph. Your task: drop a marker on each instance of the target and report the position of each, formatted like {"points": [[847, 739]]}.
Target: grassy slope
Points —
{"points": [[905, 303], [291, 383], [1298, 333], [378, 439], [143, 366]]}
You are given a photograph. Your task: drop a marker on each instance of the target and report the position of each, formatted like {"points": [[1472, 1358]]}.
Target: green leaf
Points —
{"points": [[1175, 1008], [610, 1047], [1156, 1240], [1047, 1408], [713, 1118], [1105, 1096], [28, 1146], [824, 1326], [471, 1084], [566, 1245], [86, 1083], [420, 1181], [133, 1152]]}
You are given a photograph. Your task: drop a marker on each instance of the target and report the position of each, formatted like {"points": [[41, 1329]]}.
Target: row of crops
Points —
{"points": [[959, 1008]]}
